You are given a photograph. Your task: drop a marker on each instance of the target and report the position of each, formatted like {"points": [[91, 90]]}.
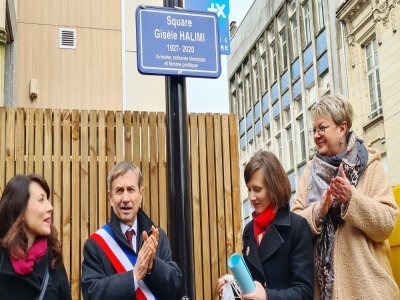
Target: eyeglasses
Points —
{"points": [[320, 130]]}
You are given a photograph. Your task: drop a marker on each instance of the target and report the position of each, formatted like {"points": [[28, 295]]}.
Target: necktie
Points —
{"points": [[129, 235]]}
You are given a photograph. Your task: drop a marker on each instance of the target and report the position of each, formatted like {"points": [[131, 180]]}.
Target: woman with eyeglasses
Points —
{"points": [[31, 265], [345, 195]]}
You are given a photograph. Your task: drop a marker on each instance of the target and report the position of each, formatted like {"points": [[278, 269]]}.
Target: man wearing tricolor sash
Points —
{"points": [[128, 258]]}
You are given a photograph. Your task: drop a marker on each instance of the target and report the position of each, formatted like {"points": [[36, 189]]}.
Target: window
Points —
{"points": [[247, 210], [283, 42], [302, 138], [247, 85], [273, 58], [374, 82], [242, 130], [234, 103], [256, 81], [289, 136], [294, 30], [279, 149], [321, 18], [265, 72], [241, 100], [307, 22]]}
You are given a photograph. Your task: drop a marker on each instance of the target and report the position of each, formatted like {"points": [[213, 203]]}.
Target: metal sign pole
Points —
{"points": [[180, 208]]}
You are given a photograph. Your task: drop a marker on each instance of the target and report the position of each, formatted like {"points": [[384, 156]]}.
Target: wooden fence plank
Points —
{"points": [[57, 186], [212, 207], [66, 191], [39, 142], [219, 184], [48, 147], [233, 142], [196, 207], [20, 143], [84, 191], [110, 140], [119, 136], [227, 186], [3, 144], [30, 142], [205, 224], [10, 150], [153, 169], [162, 179], [136, 138], [75, 208], [93, 174], [145, 162], [84, 170], [103, 203], [128, 135]]}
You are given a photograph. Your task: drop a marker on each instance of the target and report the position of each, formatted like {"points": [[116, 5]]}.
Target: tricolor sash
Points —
{"points": [[121, 257]]}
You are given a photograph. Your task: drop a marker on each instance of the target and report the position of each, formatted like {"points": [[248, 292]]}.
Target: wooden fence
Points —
{"points": [[74, 150]]}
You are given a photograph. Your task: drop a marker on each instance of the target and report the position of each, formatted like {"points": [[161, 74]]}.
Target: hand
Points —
{"points": [[220, 287], [258, 294], [322, 207], [340, 187], [144, 262], [155, 234]]}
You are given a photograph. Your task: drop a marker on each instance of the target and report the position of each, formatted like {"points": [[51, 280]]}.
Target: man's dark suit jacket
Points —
{"points": [[100, 280], [283, 263]]}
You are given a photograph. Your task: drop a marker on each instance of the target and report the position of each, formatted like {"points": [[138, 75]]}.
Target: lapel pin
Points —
{"points": [[247, 251]]}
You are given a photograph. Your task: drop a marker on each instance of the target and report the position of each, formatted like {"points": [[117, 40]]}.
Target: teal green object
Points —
{"points": [[241, 273]]}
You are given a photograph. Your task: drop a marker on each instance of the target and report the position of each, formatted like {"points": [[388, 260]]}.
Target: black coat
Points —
{"points": [[14, 286], [100, 280], [283, 263]]}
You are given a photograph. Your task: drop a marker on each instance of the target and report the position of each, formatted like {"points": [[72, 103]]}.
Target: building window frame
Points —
{"points": [[307, 22], [273, 54], [373, 78], [283, 43]]}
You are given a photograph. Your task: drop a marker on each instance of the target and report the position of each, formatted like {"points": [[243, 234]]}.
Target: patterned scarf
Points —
{"points": [[323, 169], [263, 220]]}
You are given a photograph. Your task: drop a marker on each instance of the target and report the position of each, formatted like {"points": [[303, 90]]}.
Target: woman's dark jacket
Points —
{"points": [[283, 263], [14, 286]]}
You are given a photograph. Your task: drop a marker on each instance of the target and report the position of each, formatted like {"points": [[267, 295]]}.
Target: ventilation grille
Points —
{"points": [[67, 38]]}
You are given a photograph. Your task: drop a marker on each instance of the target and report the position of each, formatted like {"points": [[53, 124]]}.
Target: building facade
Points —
{"points": [[285, 54], [8, 30], [372, 46], [82, 55]]}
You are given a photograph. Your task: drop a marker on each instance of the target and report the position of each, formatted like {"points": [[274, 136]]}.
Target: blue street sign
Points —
{"points": [[177, 42], [221, 8]]}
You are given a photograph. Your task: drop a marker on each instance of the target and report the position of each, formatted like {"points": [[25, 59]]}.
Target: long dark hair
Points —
{"points": [[13, 203]]}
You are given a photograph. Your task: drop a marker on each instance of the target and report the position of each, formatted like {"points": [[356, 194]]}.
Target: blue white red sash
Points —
{"points": [[121, 257]]}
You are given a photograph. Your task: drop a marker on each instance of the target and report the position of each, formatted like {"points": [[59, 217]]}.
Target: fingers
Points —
{"points": [[340, 187], [155, 232], [145, 258], [220, 287], [342, 174]]}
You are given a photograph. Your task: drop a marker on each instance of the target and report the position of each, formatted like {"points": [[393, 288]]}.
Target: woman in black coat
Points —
{"points": [[277, 244], [31, 264]]}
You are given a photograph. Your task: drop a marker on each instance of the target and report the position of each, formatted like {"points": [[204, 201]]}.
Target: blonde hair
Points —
{"points": [[121, 169], [335, 106]]}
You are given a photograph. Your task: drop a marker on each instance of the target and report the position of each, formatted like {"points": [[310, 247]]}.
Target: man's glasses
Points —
{"points": [[320, 130]]}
